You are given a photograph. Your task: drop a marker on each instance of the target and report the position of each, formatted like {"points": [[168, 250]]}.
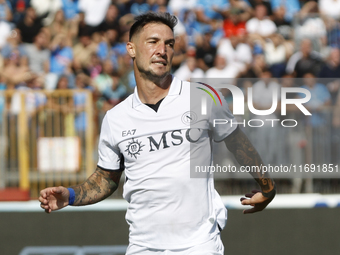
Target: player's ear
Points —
{"points": [[130, 47]]}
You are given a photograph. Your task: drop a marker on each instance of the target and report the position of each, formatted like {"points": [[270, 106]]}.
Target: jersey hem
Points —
{"points": [[106, 169], [174, 246]]}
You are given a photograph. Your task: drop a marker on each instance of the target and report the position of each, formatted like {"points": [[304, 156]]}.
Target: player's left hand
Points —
{"points": [[255, 199]]}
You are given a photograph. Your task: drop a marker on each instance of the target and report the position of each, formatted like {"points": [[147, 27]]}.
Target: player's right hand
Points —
{"points": [[257, 200], [54, 198]]}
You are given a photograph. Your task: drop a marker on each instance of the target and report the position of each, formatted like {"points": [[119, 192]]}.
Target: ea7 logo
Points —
{"points": [[128, 132]]}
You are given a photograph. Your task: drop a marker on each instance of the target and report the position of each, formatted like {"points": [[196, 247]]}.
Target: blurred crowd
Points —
{"points": [[80, 44], [264, 44]]}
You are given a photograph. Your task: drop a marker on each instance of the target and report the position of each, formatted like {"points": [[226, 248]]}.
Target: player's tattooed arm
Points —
{"points": [[100, 185], [246, 155]]}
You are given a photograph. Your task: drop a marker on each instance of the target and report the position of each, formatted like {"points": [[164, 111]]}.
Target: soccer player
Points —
{"points": [[168, 211]]}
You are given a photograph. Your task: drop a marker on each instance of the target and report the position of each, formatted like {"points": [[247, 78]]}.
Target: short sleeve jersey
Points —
{"points": [[167, 208]]}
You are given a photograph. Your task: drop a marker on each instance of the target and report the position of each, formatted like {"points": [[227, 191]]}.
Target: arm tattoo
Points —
{"points": [[97, 187], [246, 155]]}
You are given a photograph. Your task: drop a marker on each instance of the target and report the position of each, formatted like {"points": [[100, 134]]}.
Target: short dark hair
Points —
{"points": [[152, 17]]}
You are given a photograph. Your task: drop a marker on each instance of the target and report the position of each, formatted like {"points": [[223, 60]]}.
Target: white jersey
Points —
{"points": [[167, 208]]}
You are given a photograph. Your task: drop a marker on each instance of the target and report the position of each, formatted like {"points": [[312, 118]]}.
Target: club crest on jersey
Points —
{"points": [[189, 117], [134, 147]]}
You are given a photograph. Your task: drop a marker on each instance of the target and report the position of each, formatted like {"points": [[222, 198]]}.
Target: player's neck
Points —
{"points": [[150, 92]]}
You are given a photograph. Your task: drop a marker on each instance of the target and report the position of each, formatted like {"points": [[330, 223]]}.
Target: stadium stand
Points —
{"points": [[63, 63]]}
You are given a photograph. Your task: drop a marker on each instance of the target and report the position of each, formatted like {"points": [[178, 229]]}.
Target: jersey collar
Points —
{"points": [[175, 89]]}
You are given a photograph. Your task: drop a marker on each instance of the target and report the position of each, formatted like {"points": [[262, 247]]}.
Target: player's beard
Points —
{"points": [[151, 75]]}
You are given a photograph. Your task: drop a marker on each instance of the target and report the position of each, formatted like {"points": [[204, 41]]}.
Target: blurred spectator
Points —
{"points": [[127, 76], [331, 69], [125, 22], [262, 94], [5, 17], [39, 55], [307, 55], [124, 6], [210, 15], [82, 52], [15, 72], [3, 137], [189, 68], [257, 67], [19, 8], [293, 139], [70, 8], [266, 3], [320, 119], [30, 25], [95, 11], [158, 5], [336, 115], [79, 101], [260, 24], [14, 43], [62, 83], [177, 7], [5, 11], [290, 7], [34, 100], [333, 33], [113, 44], [311, 25], [320, 97], [138, 7], [120, 46], [237, 53], [222, 69], [330, 8], [104, 80], [188, 19], [266, 137], [111, 19], [180, 48], [254, 71], [46, 8], [208, 12], [60, 62], [205, 52], [95, 66], [106, 48], [60, 113], [61, 55], [61, 25], [308, 63], [82, 28], [276, 54], [330, 72], [234, 25], [3, 87], [83, 82], [5, 32], [58, 25], [114, 94], [284, 27]]}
